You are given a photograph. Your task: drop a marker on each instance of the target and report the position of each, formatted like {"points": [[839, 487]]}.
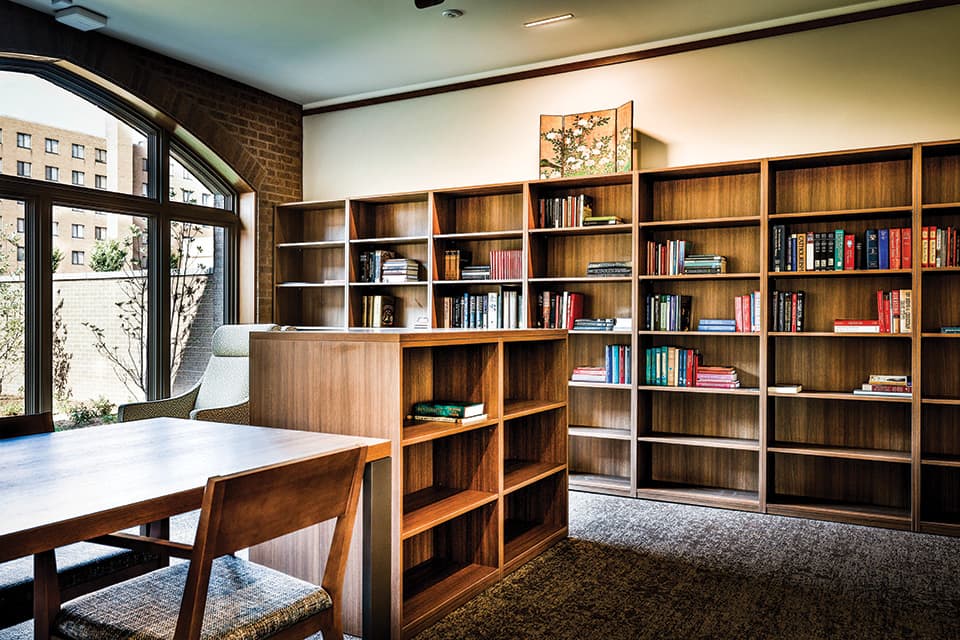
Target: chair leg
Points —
{"points": [[331, 624]]}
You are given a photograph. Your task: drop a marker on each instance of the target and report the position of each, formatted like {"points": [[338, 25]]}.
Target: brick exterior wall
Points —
{"points": [[257, 134]]}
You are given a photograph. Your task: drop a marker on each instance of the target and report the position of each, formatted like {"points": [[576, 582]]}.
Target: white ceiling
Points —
{"points": [[318, 52]]}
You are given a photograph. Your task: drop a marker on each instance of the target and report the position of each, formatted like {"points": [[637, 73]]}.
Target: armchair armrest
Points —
{"points": [[236, 414], [175, 407]]}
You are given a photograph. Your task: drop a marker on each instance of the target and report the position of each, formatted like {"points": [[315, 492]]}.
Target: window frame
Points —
{"points": [[40, 197]]}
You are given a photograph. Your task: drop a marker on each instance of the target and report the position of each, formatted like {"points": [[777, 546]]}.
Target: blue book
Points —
{"points": [[883, 248], [873, 251]]}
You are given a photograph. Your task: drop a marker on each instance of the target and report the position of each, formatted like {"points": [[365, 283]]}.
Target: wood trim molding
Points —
{"points": [[644, 54]]}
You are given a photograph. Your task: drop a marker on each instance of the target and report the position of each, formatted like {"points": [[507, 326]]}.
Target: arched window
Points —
{"points": [[117, 249]]}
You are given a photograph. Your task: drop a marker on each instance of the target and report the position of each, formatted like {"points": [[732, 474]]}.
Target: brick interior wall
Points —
{"points": [[258, 134]]}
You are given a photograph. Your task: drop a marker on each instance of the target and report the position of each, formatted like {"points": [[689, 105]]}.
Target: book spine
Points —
{"points": [[873, 255], [883, 248], [895, 245], [838, 245], [906, 248], [849, 248]]}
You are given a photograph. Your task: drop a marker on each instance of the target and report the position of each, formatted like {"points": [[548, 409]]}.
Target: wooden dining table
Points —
{"points": [[65, 487]]}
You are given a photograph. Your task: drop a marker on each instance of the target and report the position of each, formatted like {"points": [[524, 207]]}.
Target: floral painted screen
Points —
{"points": [[587, 144]]}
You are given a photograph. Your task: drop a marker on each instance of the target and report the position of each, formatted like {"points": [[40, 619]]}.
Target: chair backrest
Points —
{"points": [[26, 425], [251, 507], [226, 380]]}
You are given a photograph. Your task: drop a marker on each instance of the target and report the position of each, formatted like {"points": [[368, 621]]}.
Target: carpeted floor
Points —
{"points": [[633, 569]]}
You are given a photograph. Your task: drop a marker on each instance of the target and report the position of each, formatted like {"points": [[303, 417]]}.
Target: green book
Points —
{"points": [[838, 250], [448, 408]]}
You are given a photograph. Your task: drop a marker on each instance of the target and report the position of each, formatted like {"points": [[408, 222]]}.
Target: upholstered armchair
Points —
{"points": [[223, 392]]}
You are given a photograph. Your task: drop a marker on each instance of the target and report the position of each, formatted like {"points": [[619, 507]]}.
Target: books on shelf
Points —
{"points": [[564, 211], [717, 377], [453, 261], [506, 264], [895, 310], [400, 270], [448, 408], [892, 385], [953, 329], [668, 312], [671, 366], [788, 311], [592, 221], [717, 324], [623, 324], [475, 272], [559, 309], [589, 374], [622, 268], [850, 325], [746, 309], [594, 324], [377, 311], [785, 388], [371, 264], [666, 258], [502, 309], [426, 418], [939, 247], [616, 364], [696, 264], [840, 250]]}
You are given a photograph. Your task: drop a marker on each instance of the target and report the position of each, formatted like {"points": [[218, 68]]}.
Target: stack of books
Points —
{"points": [[592, 221], [897, 386], [475, 272], [448, 411], [589, 374], [371, 264], [850, 325], [949, 329], [609, 269], [668, 312], [400, 270], [506, 264], [594, 324], [453, 261], [718, 377], [716, 324], [703, 263]]}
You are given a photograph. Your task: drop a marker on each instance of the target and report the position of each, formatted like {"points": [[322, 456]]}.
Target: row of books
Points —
{"points": [[666, 258], [492, 310], [453, 261], [894, 315], [377, 311], [788, 311], [623, 268], [371, 264], [839, 250], [667, 312], [704, 263], [746, 310], [559, 309], [672, 366], [615, 369], [939, 247], [448, 411], [565, 211], [505, 264]]}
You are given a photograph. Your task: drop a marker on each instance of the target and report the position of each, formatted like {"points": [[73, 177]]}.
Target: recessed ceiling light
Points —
{"points": [[451, 13], [81, 18], [543, 21]]}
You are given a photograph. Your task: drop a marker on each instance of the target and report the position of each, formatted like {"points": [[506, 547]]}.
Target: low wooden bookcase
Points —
{"points": [[471, 501]]}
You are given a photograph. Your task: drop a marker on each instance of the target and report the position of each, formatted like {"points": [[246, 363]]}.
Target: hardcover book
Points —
{"points": [[448, 408]]}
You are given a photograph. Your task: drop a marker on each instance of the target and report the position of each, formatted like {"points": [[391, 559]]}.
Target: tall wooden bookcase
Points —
{"points": [[822, 453], [471, 502]]}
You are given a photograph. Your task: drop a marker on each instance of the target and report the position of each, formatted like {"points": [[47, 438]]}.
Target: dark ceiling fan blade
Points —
{"points": [[423, 4]]}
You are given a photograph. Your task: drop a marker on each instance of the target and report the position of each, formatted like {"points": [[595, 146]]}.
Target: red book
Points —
{"points": [[895, 311], [925, 247], [880, 311], [886, 312], [620, 359], [793, 312], [738, 313], [849, 251], [895, 248], [574, 308], [841, 322], [906, 248]]}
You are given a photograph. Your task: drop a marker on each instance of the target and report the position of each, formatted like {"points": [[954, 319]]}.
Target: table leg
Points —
{"points": [[46, 593], [159, 529], [377, 550]]}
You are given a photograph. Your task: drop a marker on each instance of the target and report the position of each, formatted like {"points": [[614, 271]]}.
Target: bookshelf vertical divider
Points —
{"points": [[891, 461]]}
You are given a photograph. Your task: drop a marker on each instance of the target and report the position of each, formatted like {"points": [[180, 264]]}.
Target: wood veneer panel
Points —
{"points": [[389, 219], [853, 185], [941, 174], [310, 265], [315, 307], [309, 224], [941, 291], [829, 364], [940, 431], [600, 457], [540, 437], [533, 516], [607, 408], [857, 482], [940, 498], [704, 467], [705, 197], [482, 212], [710, 415], [941, 368], [567, 256], [872, 425], [523, 363]]}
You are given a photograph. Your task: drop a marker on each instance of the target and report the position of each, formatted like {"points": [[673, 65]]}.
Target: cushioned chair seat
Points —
{"points": [[77, 564], [240, 592], [22, 631]]}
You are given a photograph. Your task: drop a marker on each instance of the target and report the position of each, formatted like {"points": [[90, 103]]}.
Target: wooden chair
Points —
{"points": [[223, 595]]}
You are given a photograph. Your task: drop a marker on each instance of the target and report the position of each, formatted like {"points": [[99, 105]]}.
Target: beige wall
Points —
{"points": [[888, 81]]}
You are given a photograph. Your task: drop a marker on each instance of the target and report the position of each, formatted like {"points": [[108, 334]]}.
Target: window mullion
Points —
{"points": [[158, 336], [38, 301]]}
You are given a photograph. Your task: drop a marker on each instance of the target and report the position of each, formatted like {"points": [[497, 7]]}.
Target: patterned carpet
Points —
{"points": [[635, 569]]}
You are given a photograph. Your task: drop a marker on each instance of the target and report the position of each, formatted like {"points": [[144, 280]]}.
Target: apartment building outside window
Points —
{"points": [[100, 233], [76, 231], [76, 257], [21, 253], [24, 140], [77, 151], [100, 182], [101, 155], [21, 225], [23, 169], [51, 145], [52, 173], [76, 177], [56, 228]]}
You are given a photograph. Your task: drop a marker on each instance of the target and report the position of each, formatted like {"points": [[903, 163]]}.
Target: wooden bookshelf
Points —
{"points": [[471, 502], [822, 453]]}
